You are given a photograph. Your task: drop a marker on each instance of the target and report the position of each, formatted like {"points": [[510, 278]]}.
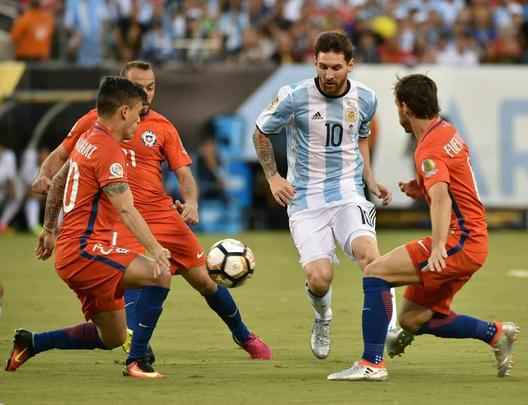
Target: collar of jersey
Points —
{"points": [[329, 96], [102, 128], [432, 126]]}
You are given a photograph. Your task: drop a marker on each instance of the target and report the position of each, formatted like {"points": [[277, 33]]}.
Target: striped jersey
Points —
{"points": [[324, 163]]}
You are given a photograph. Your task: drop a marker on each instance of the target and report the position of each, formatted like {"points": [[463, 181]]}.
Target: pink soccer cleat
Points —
{"points": [[257, 349]]}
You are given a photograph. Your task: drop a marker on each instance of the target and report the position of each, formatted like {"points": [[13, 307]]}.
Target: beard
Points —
{"points": [[406, 126]]}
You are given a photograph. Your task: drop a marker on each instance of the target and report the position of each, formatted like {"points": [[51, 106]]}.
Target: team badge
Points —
{"points": [[148, 138], [429, 168], [351, 116], [116, 171]]}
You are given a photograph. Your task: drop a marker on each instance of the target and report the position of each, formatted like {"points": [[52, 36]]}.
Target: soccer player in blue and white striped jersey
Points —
{"points": [[327, 123]]}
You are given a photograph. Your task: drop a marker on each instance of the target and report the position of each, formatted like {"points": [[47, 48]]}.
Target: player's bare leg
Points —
{"points": [[220, 300], [319, 274]]}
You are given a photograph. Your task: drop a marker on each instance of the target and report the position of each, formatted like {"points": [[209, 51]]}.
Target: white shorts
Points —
{"points": [[315, 231]]}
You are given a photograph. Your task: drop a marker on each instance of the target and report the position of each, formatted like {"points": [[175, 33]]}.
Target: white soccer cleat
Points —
{"points": [[361, 371], [503, 348], [320, 338], [397, 340]]}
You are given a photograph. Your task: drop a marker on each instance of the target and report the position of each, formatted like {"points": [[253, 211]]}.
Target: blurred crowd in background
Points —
{"points": [[90, 32]]}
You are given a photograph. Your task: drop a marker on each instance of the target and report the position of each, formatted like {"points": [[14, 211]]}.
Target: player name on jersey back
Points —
{"points": [[85, 148]]}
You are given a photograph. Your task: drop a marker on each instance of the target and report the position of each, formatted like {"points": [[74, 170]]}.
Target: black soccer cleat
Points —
{"points": [[22, 349]]}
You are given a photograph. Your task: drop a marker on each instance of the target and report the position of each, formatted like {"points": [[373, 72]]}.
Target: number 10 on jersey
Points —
{"points": [[334, 134]]}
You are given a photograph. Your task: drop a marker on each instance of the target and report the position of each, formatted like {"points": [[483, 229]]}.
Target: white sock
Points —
{"points": [[32, 210], [394, 320], [322, 306]]}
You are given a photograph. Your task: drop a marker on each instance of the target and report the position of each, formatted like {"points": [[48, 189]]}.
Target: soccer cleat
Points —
{"points": [[396, 342], [141, 368], [361, 371], [320, 338], [503, 345], [149, 356], [257, 349], [22, 349]]}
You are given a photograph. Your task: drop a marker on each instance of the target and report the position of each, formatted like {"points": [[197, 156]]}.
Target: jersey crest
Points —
{"points": [[149, 138]]}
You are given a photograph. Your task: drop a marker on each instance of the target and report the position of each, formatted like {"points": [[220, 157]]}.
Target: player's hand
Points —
{"points": [[437, 260], [188, 211], [161, 256], [411, 189], [282, 190], [45, 245], [382, 192], [41, 185]]}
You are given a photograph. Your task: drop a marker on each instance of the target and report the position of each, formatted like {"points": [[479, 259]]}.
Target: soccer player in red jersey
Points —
{"points": [[92, 189], [435, 268], [154, 141]]}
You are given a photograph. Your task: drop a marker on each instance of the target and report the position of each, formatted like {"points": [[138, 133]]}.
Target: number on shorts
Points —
{"points": [[73, 177]]}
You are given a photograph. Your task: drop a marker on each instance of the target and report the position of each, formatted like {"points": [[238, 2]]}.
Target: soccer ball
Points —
{"points": [[230, 263]]}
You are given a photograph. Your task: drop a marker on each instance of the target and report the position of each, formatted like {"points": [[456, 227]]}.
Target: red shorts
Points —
{"points": [[96, 276], [437, 290], [173, 234]]}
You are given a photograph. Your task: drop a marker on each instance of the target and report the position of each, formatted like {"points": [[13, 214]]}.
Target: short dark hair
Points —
{"points": [[116, 91], [334, 41], [419, 93], [135, 64]]}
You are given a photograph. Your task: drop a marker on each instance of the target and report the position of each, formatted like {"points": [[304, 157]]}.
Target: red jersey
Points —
{"points": [[442, 156], [89, 217], [155, 141]]}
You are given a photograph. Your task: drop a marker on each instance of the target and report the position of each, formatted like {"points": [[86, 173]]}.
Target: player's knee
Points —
{"points": [[319, 282], [164, 280]]}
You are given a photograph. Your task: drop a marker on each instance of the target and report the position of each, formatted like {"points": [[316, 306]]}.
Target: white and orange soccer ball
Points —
{"points": [[230, 263]]}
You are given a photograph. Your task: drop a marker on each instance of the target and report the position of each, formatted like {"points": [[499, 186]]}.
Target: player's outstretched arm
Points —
{"points": [[46, 239], [49, 168], [440, 218], [189, 191], [122, 200], [379, 190], [281, 189]]}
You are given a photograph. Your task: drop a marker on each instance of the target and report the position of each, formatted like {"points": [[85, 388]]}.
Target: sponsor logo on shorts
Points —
{"points": [[99, 248]]}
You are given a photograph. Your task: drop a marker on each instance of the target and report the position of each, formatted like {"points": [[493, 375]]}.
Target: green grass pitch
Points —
{"points": [[203, 366]]}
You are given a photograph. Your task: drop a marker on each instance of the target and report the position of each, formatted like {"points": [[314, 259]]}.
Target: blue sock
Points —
{"points": [[377, 313], [459, 327], [80, 337], [223, 304], [131, 298], [148, 310]]}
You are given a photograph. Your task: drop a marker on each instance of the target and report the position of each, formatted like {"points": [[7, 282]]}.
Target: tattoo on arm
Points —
{"points": [[115, 188], [265, 154], [54, 198]]}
